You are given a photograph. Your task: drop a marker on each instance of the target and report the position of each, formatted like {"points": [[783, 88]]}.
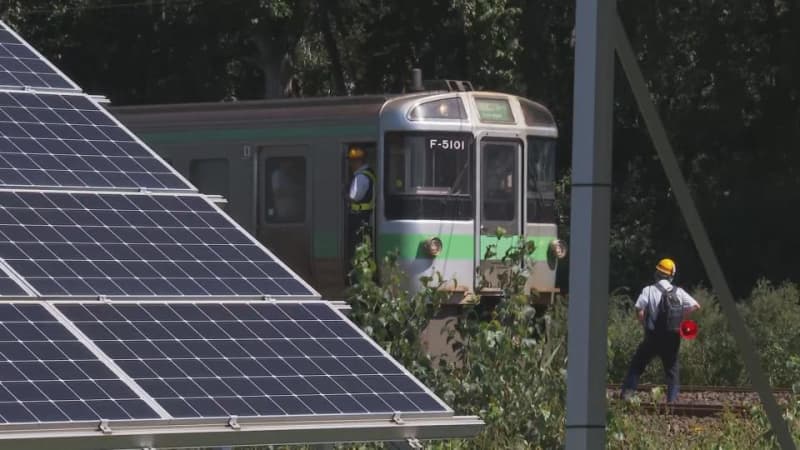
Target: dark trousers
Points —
{"points": [[663, 345]]}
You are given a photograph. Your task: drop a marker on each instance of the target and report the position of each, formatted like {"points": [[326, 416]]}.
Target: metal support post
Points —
{"points": [[590, 223], [699, 235]]}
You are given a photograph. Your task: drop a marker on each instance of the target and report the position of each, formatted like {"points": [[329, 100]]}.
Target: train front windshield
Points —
{"points": [[429, 176]]}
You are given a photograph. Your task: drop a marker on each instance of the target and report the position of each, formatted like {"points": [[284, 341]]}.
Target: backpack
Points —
{"points": [[670, 311]]}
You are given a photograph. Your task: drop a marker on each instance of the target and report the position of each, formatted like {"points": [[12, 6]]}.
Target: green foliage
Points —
{"points": [[390, 315], [771, 313], [509, 360], [509, 272], [627, 430], [774, 318], [511, 373]]}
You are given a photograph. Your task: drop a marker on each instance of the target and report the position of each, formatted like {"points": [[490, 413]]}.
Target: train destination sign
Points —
{"points": [[446, 143], [494, 110]]}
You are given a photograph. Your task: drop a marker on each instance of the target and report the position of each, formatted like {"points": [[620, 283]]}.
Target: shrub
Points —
{"points": [[773, 316], [771, 313], [510, 360]]}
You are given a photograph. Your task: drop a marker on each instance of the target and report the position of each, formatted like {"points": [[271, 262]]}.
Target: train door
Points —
{"points": [[284, 198], [499, 208]]}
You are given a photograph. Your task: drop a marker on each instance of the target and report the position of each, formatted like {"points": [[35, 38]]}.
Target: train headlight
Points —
{"points": [[433, 246], [444, 109], [558, 248]]}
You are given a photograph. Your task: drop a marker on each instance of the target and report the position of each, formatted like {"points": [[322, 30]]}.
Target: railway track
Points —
{"points": [[700, 401]]}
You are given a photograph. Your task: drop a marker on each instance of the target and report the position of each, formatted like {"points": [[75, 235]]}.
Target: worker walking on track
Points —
{"points": [[660, 308]]}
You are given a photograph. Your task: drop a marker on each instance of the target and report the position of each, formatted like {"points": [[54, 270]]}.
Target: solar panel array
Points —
{"points": [[109, 239], [47, 375], [199, 360], [250, 359], [22, 66], [134, 245], [69, 141], [87, 210]]}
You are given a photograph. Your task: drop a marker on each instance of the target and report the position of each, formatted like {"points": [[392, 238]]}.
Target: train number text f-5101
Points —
{"points": [[446, 144]]}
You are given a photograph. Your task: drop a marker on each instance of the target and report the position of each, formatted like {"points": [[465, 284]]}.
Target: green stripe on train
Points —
{"points": [[456, 246], [216, 135], [326, 244]]}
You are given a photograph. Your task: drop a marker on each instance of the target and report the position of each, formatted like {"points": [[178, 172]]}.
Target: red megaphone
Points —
{"points": [[688, 329]]}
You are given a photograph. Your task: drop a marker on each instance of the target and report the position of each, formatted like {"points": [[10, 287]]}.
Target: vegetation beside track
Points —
{"points": [[512, 363], [511, 369]]}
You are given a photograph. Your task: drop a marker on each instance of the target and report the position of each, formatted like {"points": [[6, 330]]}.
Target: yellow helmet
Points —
{"points": [[356, 153], [667, 267]]}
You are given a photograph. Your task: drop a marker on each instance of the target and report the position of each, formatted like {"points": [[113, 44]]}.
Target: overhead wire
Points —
{"points": [[123, 5]]}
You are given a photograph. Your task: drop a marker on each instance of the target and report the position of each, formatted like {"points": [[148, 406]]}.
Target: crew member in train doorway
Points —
{"points": [[361, 198], [660, 308]]}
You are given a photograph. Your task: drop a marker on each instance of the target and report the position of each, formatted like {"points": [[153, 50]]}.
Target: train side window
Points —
{"points": [[541, 179], [210, 176], [499, 182], [285, 189]]}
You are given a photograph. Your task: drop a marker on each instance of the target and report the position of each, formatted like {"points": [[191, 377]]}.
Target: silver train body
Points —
{"points": [[458, 172]]}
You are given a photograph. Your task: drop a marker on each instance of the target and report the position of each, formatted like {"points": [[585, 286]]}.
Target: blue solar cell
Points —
{"points": [[69, 141], [221, 359], [47, 375], [372, 402], [185, 388], [346, 404], [291, 405], [178, 407], [206, 405], [290, 330], [66, 244], [77, 410], [262, 407], [159, 388], [9, 287], [325, 385]]}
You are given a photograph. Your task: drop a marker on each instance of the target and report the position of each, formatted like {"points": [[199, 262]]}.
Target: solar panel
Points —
{"points": [[78, 219], [22, 66], [70, 141], [251, 359], [47, 375], [134, 245]]}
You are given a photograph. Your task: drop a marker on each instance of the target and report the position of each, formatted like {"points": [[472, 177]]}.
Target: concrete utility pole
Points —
{"points": [[590, 222]]}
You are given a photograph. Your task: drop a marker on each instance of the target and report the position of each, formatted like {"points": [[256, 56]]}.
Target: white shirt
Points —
{"points": [[650, 298], [360, 185]]}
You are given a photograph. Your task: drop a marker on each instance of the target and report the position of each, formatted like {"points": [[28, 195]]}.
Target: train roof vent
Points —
{"points": [[459, 85], [448, 85]]}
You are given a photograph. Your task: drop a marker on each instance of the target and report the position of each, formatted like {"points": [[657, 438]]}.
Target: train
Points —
{"points": [[458, 171]]}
